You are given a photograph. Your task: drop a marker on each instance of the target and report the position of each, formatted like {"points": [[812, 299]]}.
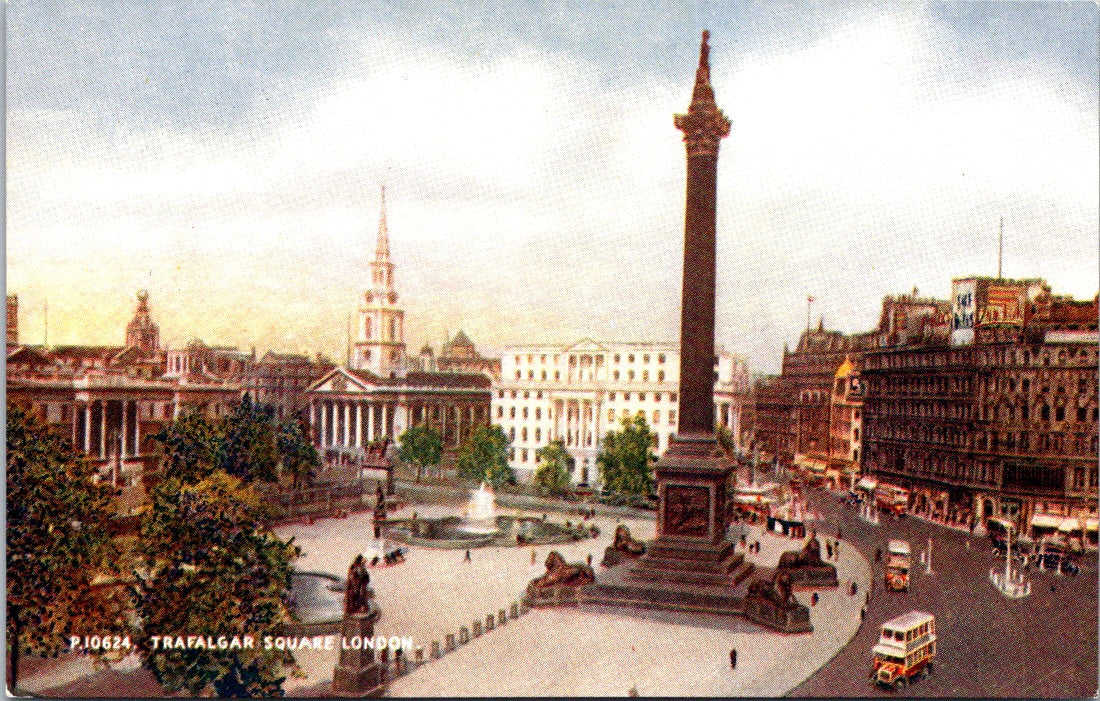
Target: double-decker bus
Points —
{"points": [[905, 649], [889, 497], [896, 574]]}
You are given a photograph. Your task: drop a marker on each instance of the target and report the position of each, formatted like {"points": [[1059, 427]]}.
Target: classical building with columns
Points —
{"points": [[350, 408], [383, 392], [578, 392], [108, 400]]}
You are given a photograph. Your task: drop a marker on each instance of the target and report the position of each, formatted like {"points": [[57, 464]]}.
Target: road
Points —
{"points": [[1040, 646]]}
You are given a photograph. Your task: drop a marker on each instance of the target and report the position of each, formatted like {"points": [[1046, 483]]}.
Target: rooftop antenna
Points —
{"points": [[809, 301], [1000, 246]]}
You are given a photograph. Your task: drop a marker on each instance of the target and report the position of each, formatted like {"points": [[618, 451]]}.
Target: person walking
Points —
{"points": [[829, 550], [878, 555], [733, 658], [532, 556], [862, 614], [589, 559], [467, 558], [813, 599]]}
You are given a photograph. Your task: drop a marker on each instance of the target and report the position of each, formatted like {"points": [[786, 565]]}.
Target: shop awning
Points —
{"points": [[1002, 522], [753, 499], [1046, 521], [867, 483], [1069, 525], [1091, 523]]}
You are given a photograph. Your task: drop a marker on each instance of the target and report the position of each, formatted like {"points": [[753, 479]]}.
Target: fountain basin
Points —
{"points": [[318, 603], [454, 532]]}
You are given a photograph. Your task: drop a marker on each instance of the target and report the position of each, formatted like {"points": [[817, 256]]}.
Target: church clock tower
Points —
{"points": [[381, 331]]}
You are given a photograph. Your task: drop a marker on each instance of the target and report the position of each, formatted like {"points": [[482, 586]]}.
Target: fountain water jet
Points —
{"points": [[481, 516]]}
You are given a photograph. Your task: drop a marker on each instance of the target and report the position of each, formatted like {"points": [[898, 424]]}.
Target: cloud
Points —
{"points": [[531, 199]]}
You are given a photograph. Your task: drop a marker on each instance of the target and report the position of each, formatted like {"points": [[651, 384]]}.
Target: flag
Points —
{"points": [[809, 299]]}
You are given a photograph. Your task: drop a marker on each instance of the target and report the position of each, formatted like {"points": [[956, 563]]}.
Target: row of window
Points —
{"points": [[616, 376], [630, 358]]}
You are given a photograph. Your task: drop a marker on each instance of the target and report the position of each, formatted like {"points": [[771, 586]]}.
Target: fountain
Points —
{"points": [[480, 515], [318, 603], [481, 525]]}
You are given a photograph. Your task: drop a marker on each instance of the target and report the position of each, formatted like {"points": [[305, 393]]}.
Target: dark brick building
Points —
{"points": [[995, 417]]}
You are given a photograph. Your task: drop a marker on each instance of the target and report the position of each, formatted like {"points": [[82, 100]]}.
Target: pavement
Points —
{"points": [[562, 651], [600, 651], [1044, 645]]}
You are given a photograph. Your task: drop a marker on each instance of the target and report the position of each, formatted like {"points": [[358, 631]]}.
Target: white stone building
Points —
{"points": [[579, 392], [380, 348]]}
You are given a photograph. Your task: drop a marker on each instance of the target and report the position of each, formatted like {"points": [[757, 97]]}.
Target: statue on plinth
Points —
{"points": [[560, 573], [357, 594], [777, 592], [356, 672], [809, 556], [805, 567], [624, 546], [379, 510]]}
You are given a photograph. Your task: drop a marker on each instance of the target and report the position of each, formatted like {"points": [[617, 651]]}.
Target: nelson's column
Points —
{"points": [[691, 475]]}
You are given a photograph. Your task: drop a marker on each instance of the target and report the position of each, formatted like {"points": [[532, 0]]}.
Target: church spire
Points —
{"points": [[382, 248]]}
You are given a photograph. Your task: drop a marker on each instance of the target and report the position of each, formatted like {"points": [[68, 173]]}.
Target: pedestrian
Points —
{"points": [[862, 613], [743, 539], [532, 556], [467, 558], [878, 555], [836, 550], [839, 534], [968, 545], [733, 658], [813, 599], [829, 549], [855, 588], [589, 559], [632, 692]]}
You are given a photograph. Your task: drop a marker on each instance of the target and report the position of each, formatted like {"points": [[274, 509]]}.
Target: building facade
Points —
{"points": [[996, 418], [383, 393], [578, 392], [108, 400], [845, 425]]}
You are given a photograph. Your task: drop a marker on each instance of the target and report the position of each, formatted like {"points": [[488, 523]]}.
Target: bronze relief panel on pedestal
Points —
{"points": [[687, 511]]}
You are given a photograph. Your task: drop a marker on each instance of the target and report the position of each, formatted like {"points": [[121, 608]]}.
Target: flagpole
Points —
{"points": [[809, 301]]}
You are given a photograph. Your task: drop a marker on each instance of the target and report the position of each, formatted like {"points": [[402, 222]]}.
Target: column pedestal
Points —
{"points": [[357, 673], [691, 522]]}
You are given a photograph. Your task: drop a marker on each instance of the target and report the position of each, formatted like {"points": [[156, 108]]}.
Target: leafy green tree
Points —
{"points": [[58, 544], [299, 456], [251, 443], [421, 446], [484, 457], [210, 568], [555, 468], [725, 440], [626, 458], [192, 446]]}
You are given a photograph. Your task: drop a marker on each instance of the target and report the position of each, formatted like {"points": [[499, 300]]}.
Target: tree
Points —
{"points": [[484, 457], [299, 456], [58, 544], [210, 569], [725, 440], [192, 446], [421, 446], [555, 467], [625, 459], [251, 445]]}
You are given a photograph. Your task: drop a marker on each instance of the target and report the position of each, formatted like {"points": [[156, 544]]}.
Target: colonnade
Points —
{"points": [[576, 422], [94, 421], [353, 423]]}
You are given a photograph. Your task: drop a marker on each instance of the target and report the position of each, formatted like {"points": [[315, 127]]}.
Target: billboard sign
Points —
{"points": [[963, 306]]}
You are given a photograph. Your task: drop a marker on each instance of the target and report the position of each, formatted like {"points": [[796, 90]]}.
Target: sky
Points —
{"points": [[228, 157]]}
